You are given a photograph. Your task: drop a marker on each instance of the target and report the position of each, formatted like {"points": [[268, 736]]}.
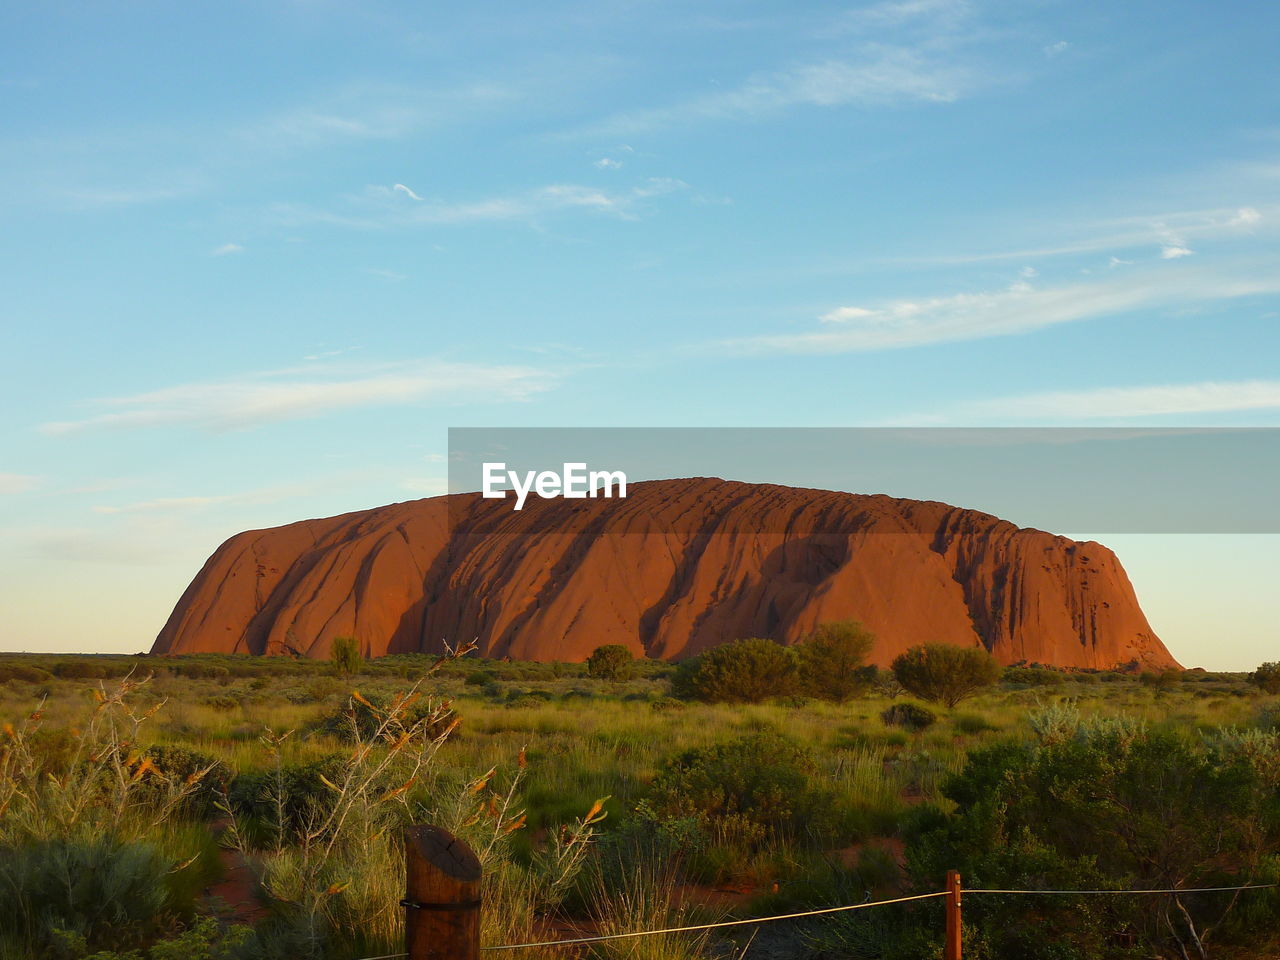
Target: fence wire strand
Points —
{"points": [[829, 910], [712, 926], [1252, 886]]}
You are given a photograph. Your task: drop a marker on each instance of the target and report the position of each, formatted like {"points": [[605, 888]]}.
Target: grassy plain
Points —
{"points": [[534, 747]]}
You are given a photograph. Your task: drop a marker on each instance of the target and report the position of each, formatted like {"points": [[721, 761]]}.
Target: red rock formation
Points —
{"points": [[675, 568]]}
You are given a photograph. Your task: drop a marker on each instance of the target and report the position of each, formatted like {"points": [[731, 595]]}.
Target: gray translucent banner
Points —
{"points": [[1110, 480]]}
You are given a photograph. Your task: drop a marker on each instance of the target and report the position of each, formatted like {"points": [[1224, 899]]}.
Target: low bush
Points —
{"points": [[106, 893], [909, 716], [745, 671], [613, 661], [23, 673], [832, 661], [941, 672], [744, 789]]}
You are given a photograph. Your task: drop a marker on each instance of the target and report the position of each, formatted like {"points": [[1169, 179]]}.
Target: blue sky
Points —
{"points": [[258, 257]]}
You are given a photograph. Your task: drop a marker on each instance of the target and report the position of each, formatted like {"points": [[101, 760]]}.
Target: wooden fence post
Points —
{"points": [[443, 898], [951, 946]]}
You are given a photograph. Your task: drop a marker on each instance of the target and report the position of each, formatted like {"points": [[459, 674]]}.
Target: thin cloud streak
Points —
{"points": [[884, 76], [1019, 308], [1149, 401], [381, 207], [291, 395], [1165, 231]]}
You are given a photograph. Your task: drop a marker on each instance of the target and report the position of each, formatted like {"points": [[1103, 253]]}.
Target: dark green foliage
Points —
{"points": [[1267, 677], [198, 670], [944, 673], [745, 671], [359, 719], [748, 788], [109, 894], [23, 672], [611, 662], [289, 800], [832, 660], [344, 654], [1161, 681], [1031, 676], [909, 716], [1105, 805], [180, 763], [89, 669]]}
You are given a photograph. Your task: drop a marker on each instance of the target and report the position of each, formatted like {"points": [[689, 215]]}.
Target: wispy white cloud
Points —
{"points": [[226, 250], [401, 188], [11, 483], [882, 75], [1019, 308], [1054, 49], [309, 392], [1175, 251], [120, 196], [933, 14], [1130, 234], [1143, 401], [377, 208], [608, 163], [368, 111]]}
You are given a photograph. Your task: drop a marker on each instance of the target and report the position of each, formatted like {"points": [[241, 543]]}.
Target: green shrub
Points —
{"points": [[179, 763], [909, 716], [1107, 804], [107, 893], [1267, 677], [344, 654], [288, 800], [23, 673], [832, 660], [745, 671], [613, 661], [946, 673], [744, 789], [196, 670], [360, 717], [1031, 676]]}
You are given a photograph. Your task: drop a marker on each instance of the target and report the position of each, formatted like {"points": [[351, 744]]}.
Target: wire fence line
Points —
{"points": [[723, 923], [1251, 886], [829, 910]]}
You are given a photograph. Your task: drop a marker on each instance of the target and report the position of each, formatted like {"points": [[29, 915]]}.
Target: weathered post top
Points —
{"points": [[443, 878]]}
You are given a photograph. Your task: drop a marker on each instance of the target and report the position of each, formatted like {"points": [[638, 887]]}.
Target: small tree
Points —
{"points": [[613, 661], [745, 671], [344, 654], [940, 672], [832, 660], [1267, 677], [1161, 681]]}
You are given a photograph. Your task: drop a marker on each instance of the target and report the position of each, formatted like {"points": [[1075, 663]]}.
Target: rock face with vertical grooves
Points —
{"points": [[676, 567]]}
